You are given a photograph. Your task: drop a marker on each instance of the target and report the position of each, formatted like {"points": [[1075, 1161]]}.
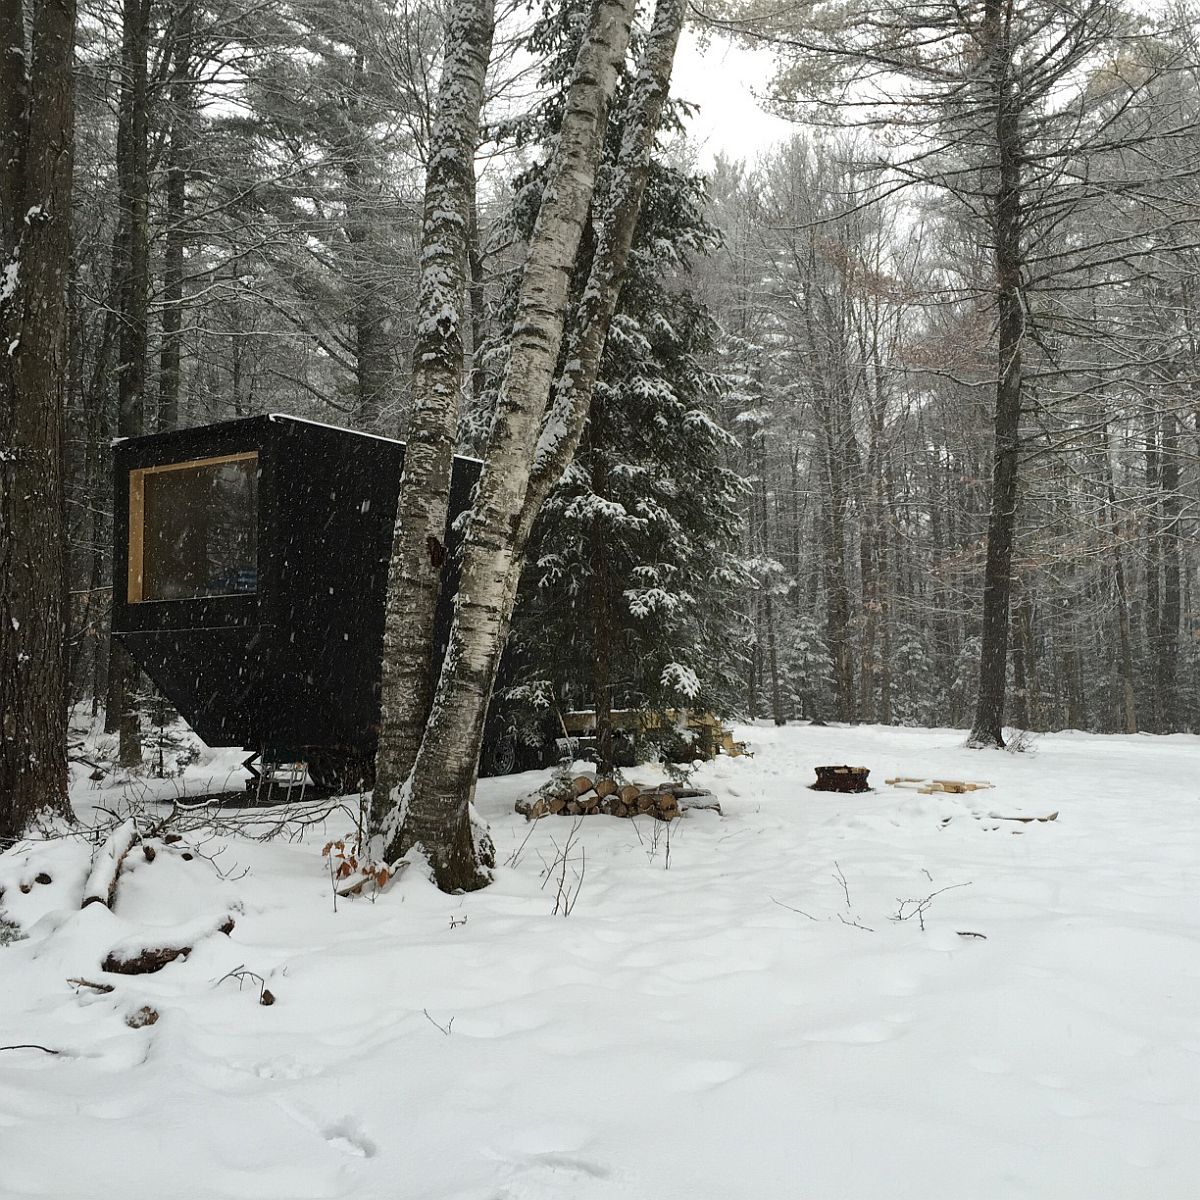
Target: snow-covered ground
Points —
{"points": [[733, 1021]]}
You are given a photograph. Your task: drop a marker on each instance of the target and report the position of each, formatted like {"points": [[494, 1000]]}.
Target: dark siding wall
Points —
{"points": [[298, 664]]}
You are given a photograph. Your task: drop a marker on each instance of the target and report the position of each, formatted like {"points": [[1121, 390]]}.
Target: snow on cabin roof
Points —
{"points": [[356, 432]]}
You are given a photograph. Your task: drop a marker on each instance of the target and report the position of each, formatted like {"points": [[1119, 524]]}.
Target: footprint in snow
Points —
{"points": [[280, 1068], [347, 1136], [550, 1177]]}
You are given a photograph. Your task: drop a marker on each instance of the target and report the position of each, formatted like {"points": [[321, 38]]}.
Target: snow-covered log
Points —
{"points": [[101, 887], [133, 957]]}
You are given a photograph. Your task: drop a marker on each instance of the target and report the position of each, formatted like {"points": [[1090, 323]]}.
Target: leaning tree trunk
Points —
{"points": [[37, 147], [988, 728], [536, 431], [415, 573]]}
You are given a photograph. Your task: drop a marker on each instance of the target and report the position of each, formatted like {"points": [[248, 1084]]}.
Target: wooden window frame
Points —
{"points": [[137, 514]]}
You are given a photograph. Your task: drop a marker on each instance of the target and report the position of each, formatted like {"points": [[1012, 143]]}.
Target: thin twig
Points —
{"points": [[444, 1028], [103, 988], [841, 878], [856, 924], [791, 909], [920, 907]]}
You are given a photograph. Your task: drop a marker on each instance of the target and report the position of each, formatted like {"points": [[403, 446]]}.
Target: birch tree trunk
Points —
{"points": [[415, 572], [37, 144], [538, 421]]}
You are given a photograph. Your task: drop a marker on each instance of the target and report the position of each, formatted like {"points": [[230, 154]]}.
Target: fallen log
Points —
{"points": [[1024, 820], [101, 886], [145, 960]]}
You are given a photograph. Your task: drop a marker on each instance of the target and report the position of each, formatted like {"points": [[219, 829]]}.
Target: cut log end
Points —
{"points": [[841, 779]]}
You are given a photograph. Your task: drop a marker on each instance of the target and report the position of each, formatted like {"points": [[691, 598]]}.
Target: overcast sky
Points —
{"points": [[722, 79]]}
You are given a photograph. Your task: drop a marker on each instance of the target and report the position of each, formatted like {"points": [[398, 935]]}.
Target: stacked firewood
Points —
{"points": [[584, 796]]}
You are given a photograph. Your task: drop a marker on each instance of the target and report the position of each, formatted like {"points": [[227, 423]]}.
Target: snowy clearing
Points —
{"points": [[739, 1024]]}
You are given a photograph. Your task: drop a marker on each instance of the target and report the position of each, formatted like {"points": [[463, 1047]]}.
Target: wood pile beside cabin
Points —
{"points": [[585, 796]]}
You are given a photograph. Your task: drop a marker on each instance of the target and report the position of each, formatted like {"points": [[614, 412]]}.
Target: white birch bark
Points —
{"points": [[414, 575], [533, 438], [572, 397]]}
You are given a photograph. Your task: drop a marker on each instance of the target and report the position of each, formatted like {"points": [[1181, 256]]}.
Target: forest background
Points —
{"points": [[781, 504]]}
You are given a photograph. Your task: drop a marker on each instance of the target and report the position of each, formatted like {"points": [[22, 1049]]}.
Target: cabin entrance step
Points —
{"points": [[278, 777]]}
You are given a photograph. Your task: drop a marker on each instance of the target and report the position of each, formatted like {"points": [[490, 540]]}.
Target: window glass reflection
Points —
{"points": [[199, 529]]}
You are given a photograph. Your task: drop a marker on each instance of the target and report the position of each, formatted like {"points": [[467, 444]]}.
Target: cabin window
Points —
{"points": [[193, 529]]}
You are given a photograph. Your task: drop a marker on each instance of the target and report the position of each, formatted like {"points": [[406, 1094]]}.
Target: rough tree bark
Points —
{"points": [[36, 156], [601, 615], [1166, 641], [988, 727], [415, 572], [133, 173], [1129, 718], [538, 421], [180, 93]]}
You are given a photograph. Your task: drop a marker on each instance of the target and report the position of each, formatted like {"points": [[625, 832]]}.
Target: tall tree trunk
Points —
{"points": [[601, 614], [363, 205], [170, 354], [768, 602], [478, 300], [37, 149], [537, 424], [988, 727], [754, 661], [837, 591], [1167, 632], [133, 172], [1020, 696], [1152, 610], [1124, 626], [773, 662], [883, 565], [414, 576]]}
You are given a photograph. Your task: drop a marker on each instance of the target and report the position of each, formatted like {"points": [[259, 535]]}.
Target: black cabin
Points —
{"points": [[250, 569]]}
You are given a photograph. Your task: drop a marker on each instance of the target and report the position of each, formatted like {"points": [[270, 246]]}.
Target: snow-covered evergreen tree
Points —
{"points": [[628, 598], [638, 545]]}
